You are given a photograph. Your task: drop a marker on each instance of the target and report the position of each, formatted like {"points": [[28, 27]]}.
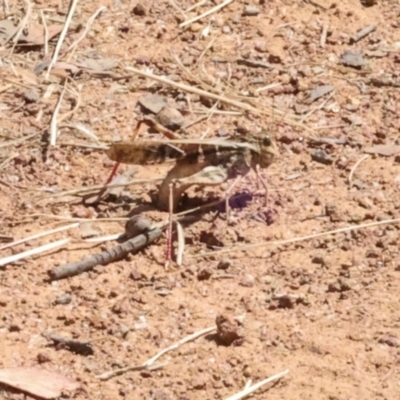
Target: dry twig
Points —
{"points": [[205, 14], [22, 25], [213, 96], [46, 33], [61, 39], [88, 189], [38, 235], [324, 34], [53, 122], [248, 390], [297, 239], [355, 167], [362, 33], [105, 257], [194, 6], [32, 252], [150, 362], [89, 24]]}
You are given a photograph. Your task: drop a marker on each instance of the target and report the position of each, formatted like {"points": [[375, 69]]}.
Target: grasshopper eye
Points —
{"points": [[266, 141]]}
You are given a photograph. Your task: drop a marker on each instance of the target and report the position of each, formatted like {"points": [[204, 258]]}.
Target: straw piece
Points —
{"points": [[37, 250], [256, 386], [205, 14], [89, 24], [53, 123], [61, 39], [149, 363], [355, 167], [297, 239], [38, 235]]}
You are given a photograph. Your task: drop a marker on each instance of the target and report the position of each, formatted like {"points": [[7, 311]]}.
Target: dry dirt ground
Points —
{"points": [[325, 307]]}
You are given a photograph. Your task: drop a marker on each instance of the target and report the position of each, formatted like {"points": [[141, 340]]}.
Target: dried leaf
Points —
{"points": [[352, 59], [102, 64], [318, 92], [386, 150], [153, 102], [87, 230], [37, 381], [36, 35], [7, 30], [28, 77], [72, 68]]}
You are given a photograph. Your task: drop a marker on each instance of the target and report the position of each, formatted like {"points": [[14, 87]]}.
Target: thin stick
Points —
{"points": [[21, 27], [77, 103], [86, 131], [362, 33], [53, 123], [70, 219], [268, 87], [38, 235], [297, 239], [173, 4], [355, 167], [181, 243], [37, 250], [256, 386], [170, 221], [248, 384], [211, 42], [194, 90], [107, 238], [61, 39], [148, 363], [175, 346], [105, 257], [194, 6], [205, 14], [89, 24], [324, 33], [46, 33], [221, 112], [97, 187], [213, 96], [318, 107]]}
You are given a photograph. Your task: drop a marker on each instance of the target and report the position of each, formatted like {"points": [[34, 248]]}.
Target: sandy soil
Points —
{"points": [[326, 307]]}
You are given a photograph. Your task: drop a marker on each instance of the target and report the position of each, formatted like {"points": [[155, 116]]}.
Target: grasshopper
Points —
{"points": [[201, 162]]}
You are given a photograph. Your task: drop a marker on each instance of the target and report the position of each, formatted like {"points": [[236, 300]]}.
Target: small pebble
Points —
{"points": [[321, 156], [224, 264], [196, 27], [139, 10], [32, 96], [171, 118], [229, 331], [352, 59], [204, 274], [64, 299], [247, 281], [261, 46], [251, 11]]}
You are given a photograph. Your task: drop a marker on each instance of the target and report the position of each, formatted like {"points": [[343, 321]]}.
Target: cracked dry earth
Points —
{"points": [[326, 308]]}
